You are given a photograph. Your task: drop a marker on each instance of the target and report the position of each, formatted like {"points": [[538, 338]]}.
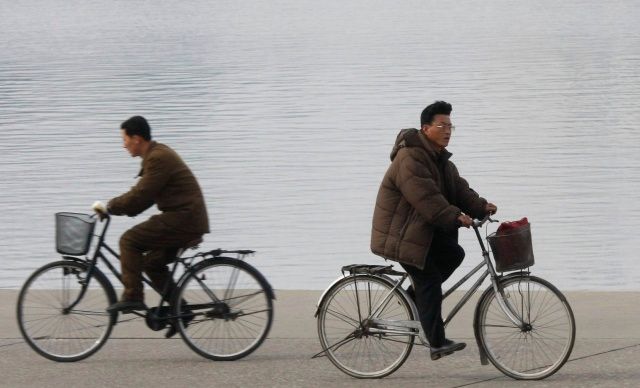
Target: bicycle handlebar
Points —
{"points": [[100, 209], [479, 223]]}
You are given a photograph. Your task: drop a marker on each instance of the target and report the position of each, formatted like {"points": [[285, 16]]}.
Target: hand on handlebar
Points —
{"points": [[100, 209], [465, 220], [490, 208]]}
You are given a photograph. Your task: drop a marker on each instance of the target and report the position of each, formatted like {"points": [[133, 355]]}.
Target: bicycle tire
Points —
{"points": [[234, 326], [539, 349], [49, 330], [342, 323]]}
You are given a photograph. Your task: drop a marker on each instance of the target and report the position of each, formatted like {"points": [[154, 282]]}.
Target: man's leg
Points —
{"points": [[148, 236], [132, 248], [428, 296], [445, 255], [155, 266]]}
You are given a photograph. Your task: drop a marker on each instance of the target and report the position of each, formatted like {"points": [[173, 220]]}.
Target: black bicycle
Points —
{"points": [[221, 306]]}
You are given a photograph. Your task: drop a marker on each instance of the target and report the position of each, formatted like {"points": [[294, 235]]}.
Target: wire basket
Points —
{"points": [[512, 250], [74, 232]]}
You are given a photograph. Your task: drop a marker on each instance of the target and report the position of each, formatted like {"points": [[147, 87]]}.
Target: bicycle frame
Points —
{"points": [[98, 255], [385, 326], [490, 271]]}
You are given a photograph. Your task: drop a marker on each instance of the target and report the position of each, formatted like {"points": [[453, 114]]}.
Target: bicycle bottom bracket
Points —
{"points": [[156, 319]]}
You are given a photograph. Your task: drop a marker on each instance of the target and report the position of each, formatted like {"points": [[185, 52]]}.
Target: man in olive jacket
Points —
{"points": [[421, 203], [165, 180]]}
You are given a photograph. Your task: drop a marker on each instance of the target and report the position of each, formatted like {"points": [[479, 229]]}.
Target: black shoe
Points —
{"points": [[173, 329], [448, 348], [127, 306]]}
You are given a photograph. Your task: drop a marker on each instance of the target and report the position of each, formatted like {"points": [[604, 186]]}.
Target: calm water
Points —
{"points": [[287, 110]]}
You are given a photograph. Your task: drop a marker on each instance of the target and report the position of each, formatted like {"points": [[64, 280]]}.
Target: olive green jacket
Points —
{"points": [[165, 180], [411, 203]]}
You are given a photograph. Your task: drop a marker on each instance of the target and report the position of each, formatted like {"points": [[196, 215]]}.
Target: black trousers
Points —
{"points": [[444, 256], [149, 247]]}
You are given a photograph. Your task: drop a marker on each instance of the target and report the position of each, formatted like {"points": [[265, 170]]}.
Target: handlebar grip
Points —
{"points": [[479, 223], [100, 209]]}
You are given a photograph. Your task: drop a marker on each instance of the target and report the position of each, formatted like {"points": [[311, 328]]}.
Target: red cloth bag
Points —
{"points": [[509, 226], [511, 245]]}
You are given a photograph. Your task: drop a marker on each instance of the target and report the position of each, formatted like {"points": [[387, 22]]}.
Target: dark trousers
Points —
{"points": [[444, 256], [149, 247]]}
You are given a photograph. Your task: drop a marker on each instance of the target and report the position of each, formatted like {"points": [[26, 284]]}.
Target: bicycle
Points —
{"points": [[367, 323], [221, 306]]}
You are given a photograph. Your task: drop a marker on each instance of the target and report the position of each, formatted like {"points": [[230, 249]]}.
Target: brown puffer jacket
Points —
{"points": [[414, 200], [169, 183]]}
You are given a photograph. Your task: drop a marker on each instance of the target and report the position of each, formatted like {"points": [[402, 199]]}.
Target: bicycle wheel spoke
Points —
{"points": [[46, 325], [343, 327], [344, 318], [230, 327], [544, 342]]}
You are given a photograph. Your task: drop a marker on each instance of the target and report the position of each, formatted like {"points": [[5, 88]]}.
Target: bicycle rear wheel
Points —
{"points": [[228, 306], [543, 345], [347, 335], [51, 326]]}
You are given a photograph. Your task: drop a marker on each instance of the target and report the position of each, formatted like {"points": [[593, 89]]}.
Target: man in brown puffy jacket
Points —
{"points": [[421, 203], [166, 181]]}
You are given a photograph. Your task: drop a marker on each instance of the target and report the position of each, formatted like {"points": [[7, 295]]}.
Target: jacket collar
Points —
{"points": [[412, 137], [438, 155], [144, 157], [152, 145]]}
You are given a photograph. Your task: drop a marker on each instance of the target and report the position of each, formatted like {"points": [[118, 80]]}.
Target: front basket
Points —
{"points": [[74, 232], [512, 250]]}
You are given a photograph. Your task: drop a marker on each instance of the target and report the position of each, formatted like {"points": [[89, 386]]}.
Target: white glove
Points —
{"points": [[99, 207]]}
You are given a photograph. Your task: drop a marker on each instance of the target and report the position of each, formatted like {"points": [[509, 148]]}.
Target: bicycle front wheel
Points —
{"points": [[57, 320], [353, 342], [543, 344], [226, 307]]}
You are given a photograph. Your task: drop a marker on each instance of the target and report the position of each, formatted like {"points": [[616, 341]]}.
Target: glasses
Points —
{"points": [[446, 126]]}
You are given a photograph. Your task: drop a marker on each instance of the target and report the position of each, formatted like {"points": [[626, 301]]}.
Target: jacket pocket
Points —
{"points": [[410, 218]]}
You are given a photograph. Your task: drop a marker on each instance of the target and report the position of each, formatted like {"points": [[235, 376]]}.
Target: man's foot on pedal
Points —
{"points": [[126, 306], [173, 329], [446, 349]]}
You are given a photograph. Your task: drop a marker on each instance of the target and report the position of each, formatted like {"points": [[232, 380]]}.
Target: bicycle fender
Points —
{"points": [[258, 274], [324, 293], [261, 277], [73, 258], [476, 330]]}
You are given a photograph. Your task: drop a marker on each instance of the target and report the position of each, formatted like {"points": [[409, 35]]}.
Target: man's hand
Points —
{"points": [[464, 220], [490, 208], [100, 209]]}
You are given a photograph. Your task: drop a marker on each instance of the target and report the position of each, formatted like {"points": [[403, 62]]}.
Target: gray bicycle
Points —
{"points": [[367, 323]]}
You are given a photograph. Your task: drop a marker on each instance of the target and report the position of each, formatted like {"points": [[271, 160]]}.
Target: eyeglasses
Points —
{"points": [[446, 126]]}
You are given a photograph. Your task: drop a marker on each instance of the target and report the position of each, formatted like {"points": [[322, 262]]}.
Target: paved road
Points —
{"points": [[606, 354]]}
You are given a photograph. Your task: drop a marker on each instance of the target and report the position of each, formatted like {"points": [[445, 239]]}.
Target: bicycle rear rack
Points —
{"points": [[354, 269]]}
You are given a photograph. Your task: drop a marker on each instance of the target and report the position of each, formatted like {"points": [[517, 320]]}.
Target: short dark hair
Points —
{"points": [[437, 108], [137, 125]]}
